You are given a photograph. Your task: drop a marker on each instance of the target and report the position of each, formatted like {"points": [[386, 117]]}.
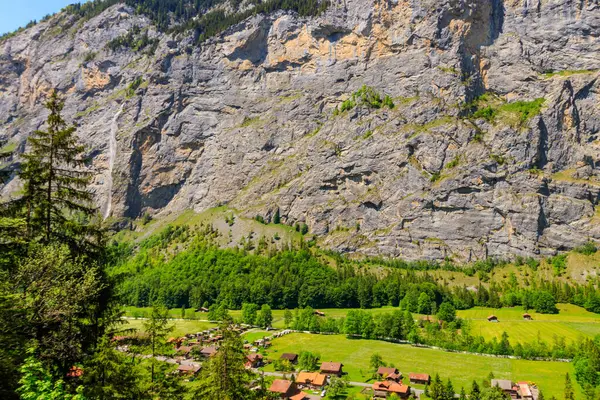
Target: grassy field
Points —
{"points": [[181, 327], [571, 322], [462, 369]]}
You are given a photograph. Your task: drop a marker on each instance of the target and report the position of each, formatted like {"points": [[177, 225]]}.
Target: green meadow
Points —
{"points": [[571, 322], [462, 369]]}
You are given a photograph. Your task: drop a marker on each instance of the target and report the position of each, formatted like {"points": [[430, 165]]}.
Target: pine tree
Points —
{"points": [[225, 377], [58, 204], [449, 391], [463, 394], [569, 392], [157, 327], [475, 392]]}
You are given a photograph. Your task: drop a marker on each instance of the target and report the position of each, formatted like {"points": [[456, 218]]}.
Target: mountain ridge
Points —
{"points": [[260, 117]]}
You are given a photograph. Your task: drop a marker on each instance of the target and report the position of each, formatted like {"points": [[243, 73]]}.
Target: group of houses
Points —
{"points": [[390, 383], [520, 390], [296, 389]]}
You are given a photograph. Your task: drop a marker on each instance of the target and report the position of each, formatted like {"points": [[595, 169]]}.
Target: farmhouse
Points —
{"points": [[390, 374], [208, 351], [492, 318], [419, 379], [525, 391], [312, 380], [332, 368], [527, 317], [190, 369], [507, 387], [304, 396], [291, 357], [382, 390], [254, 360], [283, 388], [319, 313]]}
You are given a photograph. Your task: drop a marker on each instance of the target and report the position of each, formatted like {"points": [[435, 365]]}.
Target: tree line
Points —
{"points": [[200, 274]]}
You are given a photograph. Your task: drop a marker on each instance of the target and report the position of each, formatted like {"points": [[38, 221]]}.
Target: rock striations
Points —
{"points": [[492, 148]]}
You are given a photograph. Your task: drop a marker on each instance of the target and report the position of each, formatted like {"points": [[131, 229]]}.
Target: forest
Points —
{"points": [[202, 274]]}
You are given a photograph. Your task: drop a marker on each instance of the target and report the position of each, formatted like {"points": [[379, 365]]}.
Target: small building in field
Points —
{"points": [[319, 313], [419, 379], [389, 374], [528, 317], [507, 387], [201, 309], [291, 357], [313, 380], [283, 388], [332, 368], [384, 389], [492, 318]]}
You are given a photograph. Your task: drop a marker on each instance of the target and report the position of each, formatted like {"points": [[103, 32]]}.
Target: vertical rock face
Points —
{"points": [[248, 119]]}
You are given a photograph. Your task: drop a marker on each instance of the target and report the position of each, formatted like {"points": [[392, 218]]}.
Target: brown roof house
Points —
{"points": [[283, 388], [492, 318], [208, 351], [525, 391], [389, 374], [254, 360], [507, 387], [332, 368], [528, 317], [291, 357], [419, 379], [381, 390], [312, 380], [191, 369]]}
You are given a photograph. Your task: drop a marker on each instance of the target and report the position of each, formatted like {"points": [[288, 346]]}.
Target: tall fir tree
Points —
{"points": [[569, 392], [225, 376], [58, 205]]}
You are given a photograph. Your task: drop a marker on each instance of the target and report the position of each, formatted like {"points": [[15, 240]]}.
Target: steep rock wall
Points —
{"points": [[248, 119]]}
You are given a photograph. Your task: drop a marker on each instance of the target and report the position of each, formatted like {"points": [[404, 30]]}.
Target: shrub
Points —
{"points": [[588, 249], [487, 113]]}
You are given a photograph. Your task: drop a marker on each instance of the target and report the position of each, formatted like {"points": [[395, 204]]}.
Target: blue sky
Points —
{"points": [[17, 13]]}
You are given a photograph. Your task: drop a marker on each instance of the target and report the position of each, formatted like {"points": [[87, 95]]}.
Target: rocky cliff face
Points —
{"points": [[248, 119]]}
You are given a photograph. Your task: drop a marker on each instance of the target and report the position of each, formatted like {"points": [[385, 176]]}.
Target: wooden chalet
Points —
{"points": [[313, 380], [492, 318], [188, 369], [254, 360], [419, 379], [389, 374], [527, 317], [283, 388], [208, 351], [525, 391], [319, 313], [332, 368], [509, 388], [291, 357], [381, 390]]}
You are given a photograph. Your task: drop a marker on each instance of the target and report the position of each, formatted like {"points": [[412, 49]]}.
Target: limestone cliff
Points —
{"points": [[248, 119]]}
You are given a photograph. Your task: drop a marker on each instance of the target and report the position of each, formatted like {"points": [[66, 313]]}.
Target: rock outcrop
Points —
{"points": [[248, 119]]}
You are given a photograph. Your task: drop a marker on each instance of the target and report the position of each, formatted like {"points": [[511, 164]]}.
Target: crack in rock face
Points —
{"points": [[492, 148]]}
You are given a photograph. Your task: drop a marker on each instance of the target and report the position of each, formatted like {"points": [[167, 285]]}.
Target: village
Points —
{"points": [[191, 350]]}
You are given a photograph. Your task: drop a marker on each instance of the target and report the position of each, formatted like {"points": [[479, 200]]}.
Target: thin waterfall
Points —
{"points": [[112, 153]]}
